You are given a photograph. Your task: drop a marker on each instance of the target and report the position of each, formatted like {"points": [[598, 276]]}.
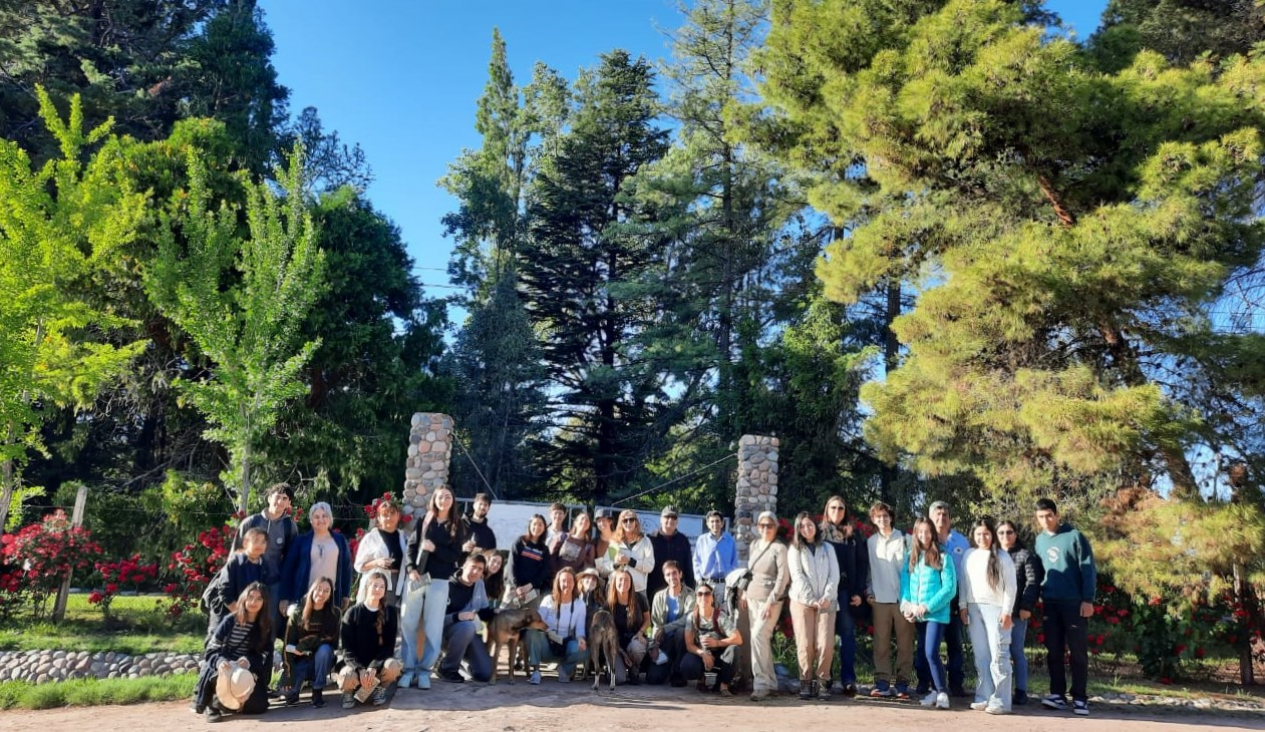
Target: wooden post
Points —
{"points": [[76, 520]]}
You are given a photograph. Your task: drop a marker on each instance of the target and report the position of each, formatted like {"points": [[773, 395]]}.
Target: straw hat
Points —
{"points": [[234, 687]]}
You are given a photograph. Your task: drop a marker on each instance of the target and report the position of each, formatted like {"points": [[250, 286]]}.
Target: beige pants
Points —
{"points": [[814, 641], [764, 679], [349, 679], [887, 618]]}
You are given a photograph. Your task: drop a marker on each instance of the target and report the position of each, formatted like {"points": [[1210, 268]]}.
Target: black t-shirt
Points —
{"points": [[627, 626], [392, 539]]}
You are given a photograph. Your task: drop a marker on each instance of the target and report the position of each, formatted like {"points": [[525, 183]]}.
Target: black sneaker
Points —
{"points": [[805, 690], [454, 677], [1081, 707], [1055, 702], [1021, 698], [850, 690], [212, 715], [678, 681]]}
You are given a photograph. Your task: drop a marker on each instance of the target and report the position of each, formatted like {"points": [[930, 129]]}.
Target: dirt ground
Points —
{"points": [[553, 706]]}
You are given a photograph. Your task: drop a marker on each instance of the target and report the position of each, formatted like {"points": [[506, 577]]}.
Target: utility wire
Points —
{"points": [[474, 465], [670, 482]]}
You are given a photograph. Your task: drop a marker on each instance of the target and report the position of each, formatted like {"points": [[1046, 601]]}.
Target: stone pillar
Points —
{"points": [[757, 487], [429, 449]]}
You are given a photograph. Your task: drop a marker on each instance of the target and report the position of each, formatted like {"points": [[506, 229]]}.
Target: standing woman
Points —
{"points": [[634, 551], [564, 614], [368, 644], [434, 554], [383, 549], [632, 620], [528, 574], [575, 549], [853, 559], [986, 595], [238, 655], [316, 554], [927, 585], [769, 578], [814, 584], [1029, 574], [310, 639]]}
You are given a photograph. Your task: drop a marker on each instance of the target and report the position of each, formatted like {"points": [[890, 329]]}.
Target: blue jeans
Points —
{"points": [[1018, 635], [845, 628], [462, 642], [992, 655], [317, 664], [538, 651], [930, 635], [423, 607], [957, 658]]}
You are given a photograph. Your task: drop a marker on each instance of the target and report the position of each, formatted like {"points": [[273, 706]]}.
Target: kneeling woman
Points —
{"points": [[564, 613], [368, 634], [310, 640], [711, 643], [238, 662]]}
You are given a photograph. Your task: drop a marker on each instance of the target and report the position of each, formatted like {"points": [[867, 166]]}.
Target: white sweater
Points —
{"points": [[814, 574], [973, 586]]}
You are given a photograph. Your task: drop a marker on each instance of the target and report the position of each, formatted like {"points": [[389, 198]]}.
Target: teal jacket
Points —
{"points": [[1070, 574], [934, 588]]}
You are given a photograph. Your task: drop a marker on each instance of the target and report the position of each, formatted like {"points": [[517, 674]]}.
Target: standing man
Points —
{"points": [[482, 538], [954, 545], [274, 521], [887, 552], [556, 533], [668, 543], [715, 553], [1068, 591]]}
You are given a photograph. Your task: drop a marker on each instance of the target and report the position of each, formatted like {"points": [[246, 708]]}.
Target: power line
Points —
{"points": [[670, 482]]}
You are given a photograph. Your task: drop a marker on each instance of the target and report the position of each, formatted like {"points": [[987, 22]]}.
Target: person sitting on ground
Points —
{"points": [[575, 550], [715, 553], [368, 634], [316, 554], [243, 569], [493, 577], [632, 620], [669, 613], [383, 549], [310, 639], [669, 543], [237, 665], [467, 605], [528, 572], [711, 643], [564, 613], [633, 550]]}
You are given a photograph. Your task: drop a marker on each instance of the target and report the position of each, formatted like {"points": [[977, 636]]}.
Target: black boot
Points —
{"points": [[318, 698]]}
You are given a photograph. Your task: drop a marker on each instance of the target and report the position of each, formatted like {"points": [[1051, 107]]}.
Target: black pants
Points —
{"points": [[204, 692], [1064, 627], [674, 647], [692, 666]]}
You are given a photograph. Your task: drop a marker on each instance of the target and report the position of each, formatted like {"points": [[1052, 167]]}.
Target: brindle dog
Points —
{"points": [[603, 640], [506, 629]]}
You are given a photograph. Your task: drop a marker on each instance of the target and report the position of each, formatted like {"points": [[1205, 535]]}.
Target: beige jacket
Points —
{"points": [[770, 573]]}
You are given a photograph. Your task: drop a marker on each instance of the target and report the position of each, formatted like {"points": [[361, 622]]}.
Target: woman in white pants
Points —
{"points": [[763, 597], [986, 594]]}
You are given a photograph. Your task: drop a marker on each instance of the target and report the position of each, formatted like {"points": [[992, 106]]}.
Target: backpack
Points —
{"points": [[212, 604]]}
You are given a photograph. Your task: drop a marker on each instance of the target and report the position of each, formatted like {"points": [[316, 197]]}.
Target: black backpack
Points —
{"points": [[212, 603]]}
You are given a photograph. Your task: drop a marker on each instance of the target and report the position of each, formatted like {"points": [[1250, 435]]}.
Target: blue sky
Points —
{"points": [[401, 78]]}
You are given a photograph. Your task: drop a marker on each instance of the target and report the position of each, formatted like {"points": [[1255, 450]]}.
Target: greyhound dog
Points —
{"points": [[603, 641], [506, 629]]}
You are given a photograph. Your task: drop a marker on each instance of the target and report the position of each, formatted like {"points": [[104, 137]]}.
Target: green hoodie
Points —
{"points": [[1070, 575]]}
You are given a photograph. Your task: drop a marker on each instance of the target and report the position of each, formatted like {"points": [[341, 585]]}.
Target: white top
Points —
{"points": [[642, 552], [567, 621], [886, 557], [973, 586], [814, 574]]}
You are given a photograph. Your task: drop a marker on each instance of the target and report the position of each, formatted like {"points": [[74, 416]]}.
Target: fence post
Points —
{"points": [[76, 520]]}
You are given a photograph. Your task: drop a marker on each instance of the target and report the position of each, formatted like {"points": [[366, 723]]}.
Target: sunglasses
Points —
{"points": [[630, 521], [768, 526], [703, 593]]}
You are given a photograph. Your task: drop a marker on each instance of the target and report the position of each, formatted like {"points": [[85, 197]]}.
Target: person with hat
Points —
{"points": [[237, 665], [768, 578], [715, 553], [669, 544]]}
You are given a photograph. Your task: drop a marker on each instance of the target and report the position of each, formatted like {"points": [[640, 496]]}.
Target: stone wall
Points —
{"points": [[429, 450], [757, 487]]}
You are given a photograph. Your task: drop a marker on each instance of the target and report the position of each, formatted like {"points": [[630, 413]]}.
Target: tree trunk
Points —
{"points": [[889, 474]]}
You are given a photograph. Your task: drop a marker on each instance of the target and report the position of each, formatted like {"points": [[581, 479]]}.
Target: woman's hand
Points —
{"points": [[767, 612], [428, 545], [708, 661], [856, 601], [246, 664], [414, 575], [1006, 622], [963, 614], [584, 645], [1024, 614]]}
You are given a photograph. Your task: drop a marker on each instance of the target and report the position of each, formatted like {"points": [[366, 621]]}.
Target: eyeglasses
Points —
{"points": [[768, 526], [1005, 532], [630, 521]]}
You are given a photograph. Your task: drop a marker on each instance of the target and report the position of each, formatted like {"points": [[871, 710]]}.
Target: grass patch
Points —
{"points": [[143, 627], [95, 692]]}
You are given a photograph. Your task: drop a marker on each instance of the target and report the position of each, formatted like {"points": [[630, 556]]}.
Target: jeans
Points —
{"points": [[424, 607], [992, 655], [930, 635], [957, 659], [1018, 636], [1064, 626], [538, 651], [693, 667], [317, 664], [845, 628], [462, 642]]}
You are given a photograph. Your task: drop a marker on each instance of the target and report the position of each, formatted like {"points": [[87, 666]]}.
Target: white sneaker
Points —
{"points": [[979, 706], [997, 710], [942, 701], [930, 699]]}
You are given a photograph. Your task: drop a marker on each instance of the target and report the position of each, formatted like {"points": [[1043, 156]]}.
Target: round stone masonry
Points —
{"points": [[429, 452], [756, 489]]}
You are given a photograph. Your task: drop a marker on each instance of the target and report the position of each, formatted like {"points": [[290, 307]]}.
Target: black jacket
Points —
{"points": [[1029, 574]]}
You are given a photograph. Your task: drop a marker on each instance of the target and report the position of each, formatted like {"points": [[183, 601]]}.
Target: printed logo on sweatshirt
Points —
{"points": [[1053, 554], [530, 553]]}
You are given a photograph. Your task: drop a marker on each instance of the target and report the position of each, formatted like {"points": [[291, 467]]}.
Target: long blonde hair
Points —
{"points": [[621, 532], [632, 607]]}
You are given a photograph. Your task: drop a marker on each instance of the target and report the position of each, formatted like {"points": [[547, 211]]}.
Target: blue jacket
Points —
{"points": [[299, 565], [934, 588]]}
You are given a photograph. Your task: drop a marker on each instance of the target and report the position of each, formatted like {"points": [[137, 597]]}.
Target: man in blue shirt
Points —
{"points": [[715, 554]]}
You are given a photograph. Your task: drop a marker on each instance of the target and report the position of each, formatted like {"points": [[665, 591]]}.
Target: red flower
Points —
{"points": [[111, 588], [1180, 649], [95, 598], [1199, 653], [1154, 601], [1165, 680], [1040, 637]]}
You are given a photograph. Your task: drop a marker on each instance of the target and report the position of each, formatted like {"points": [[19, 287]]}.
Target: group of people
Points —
{"points": [[683, 611]]}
